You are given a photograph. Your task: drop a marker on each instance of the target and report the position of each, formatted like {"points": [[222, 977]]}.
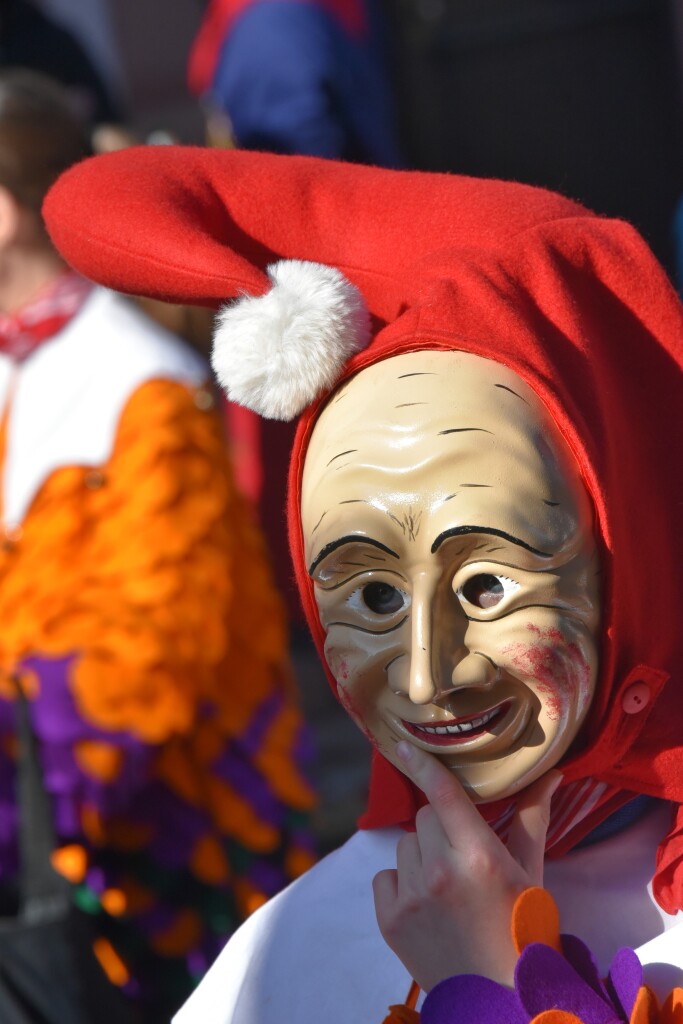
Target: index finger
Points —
{"points": [[453, 807]]}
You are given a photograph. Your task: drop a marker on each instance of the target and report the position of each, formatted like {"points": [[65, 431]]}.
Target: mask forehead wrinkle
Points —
{"points": [[427, 427]]}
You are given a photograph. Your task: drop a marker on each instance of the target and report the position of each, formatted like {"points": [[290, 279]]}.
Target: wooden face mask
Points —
{"points": [[450, 541]]}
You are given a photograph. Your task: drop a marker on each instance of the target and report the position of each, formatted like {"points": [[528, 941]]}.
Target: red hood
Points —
{"points": [[580, 309]]}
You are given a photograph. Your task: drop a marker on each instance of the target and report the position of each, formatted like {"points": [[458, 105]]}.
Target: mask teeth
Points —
{"points": [[455, 728]]}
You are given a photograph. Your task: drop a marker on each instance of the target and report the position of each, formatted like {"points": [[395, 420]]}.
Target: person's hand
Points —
{"points": [[446, 908]]}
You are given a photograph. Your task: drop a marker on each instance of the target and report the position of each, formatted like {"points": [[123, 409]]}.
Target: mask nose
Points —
{"points": [[434, 630], [421, 687], [440, 662]]}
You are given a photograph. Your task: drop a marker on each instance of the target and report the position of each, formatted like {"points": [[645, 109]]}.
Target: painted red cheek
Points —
{"points": [[557, 667], [541, 663], [553, 634], [339, 666], [553, 701], [347, 703]]}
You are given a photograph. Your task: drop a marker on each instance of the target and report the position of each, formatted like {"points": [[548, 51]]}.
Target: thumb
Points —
{"points": [[529, 826], [385, 893]]}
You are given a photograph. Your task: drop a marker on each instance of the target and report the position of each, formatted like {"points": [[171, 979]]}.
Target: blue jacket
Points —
{"points": [[293, 80]]}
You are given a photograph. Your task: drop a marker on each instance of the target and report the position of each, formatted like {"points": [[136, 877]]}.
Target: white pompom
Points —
{"points": [[274, 354]]}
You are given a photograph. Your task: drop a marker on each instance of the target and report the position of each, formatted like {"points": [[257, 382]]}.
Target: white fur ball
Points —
{"points": [[276, 353]]}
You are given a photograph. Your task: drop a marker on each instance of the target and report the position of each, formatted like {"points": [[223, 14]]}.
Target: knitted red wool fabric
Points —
{"points": [[573, 303]]}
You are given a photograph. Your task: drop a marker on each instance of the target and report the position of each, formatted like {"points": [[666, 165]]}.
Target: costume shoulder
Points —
{"points": [[313, 953], [127, 339], [662, 960]]}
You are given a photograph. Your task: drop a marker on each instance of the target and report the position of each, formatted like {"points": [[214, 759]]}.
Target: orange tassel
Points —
{"points": [[405, 1013], [556, 1017], [402, 1014], [535, 918], [645, 1009], [672, 1010]]}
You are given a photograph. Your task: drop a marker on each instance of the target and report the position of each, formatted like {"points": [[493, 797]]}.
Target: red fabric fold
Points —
{"points": [[667, 884]]}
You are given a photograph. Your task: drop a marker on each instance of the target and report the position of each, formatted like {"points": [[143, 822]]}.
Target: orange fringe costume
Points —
{"points": [[137, 606]]}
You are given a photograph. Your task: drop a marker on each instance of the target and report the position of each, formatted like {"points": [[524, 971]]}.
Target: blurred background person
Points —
{"points": [[137, 607], [580, 96], [31, 38], [298, 76]]}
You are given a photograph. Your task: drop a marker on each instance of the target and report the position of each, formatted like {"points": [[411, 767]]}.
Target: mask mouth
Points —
{"points": [[457, 730]]}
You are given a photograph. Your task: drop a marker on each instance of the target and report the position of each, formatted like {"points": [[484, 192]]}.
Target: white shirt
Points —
{"points": [[314, 954]]}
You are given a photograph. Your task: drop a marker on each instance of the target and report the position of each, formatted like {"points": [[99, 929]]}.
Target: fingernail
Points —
{"points": [[404, 751]]}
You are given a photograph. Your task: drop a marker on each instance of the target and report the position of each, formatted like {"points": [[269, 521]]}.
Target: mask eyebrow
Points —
{"points": [[464, 430], [458, 531], [504, 387], [352, 538], [422, 373], [349, 451]]}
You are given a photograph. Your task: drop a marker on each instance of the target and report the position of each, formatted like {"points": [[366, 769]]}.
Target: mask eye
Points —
{"points": [[486, 590], [382, 598]]}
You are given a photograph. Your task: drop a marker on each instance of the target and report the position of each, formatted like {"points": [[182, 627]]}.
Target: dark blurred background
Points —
{"points": [[583, 96]]}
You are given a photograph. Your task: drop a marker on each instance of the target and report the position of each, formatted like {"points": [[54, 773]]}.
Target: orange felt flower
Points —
{"points": [[127, 835], [248, 897], [535, 918], [180, 936], [99, 759], [70, 861], [235, 817], [138, 899], [672, 1009], [405, 1013], [114, 902], [645, 1008], [556, 1017], [208, 861], [401, 1014], [10, 682], [297, 861], [548, 989], [92, 825]]}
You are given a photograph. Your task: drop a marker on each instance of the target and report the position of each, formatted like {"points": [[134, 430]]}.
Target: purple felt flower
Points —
{"points": [[544, 980]]}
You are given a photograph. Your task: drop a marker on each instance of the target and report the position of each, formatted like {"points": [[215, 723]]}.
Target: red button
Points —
{"points": [[636, 698]]}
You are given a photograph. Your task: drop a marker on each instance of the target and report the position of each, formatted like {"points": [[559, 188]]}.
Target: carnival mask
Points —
{"points": [[450, 540]]}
